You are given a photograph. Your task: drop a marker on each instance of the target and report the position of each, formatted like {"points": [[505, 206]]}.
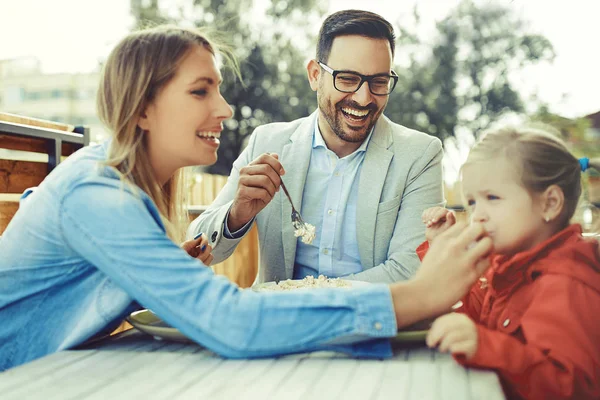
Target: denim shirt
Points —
{"points": [[84, 250]]}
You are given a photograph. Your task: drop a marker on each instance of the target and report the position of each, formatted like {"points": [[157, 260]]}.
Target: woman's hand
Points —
{"points": [[455, 261], [455, 333], [437, 220], [199, 248]]}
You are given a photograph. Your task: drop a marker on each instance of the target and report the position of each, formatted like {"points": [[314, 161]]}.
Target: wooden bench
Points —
{"points": [[29, 149]]}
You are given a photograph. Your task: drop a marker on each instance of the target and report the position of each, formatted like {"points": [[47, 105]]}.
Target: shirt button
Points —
{"points": [[378, 326], [325, 251], [337, 174], [330, 212], [506, 322]]}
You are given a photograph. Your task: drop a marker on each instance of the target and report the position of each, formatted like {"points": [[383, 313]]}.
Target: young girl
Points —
{"points": [[97, 239], [533, 317]]}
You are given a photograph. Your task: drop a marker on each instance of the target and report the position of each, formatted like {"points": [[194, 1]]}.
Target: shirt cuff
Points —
{"points": [[375, 315], [375, 323], [237, 234]]}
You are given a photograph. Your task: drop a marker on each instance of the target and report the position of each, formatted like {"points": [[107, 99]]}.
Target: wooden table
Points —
{"points": [[135, 366]]}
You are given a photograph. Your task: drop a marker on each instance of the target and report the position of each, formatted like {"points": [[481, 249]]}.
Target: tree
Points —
{"points": [[464, 79], [270, 49], [574, 131]]}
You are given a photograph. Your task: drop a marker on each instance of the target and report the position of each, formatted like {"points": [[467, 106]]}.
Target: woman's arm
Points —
{"points": [[122, 235]]}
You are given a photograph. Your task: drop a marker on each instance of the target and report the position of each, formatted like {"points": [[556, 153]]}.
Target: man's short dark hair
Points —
{"points": [[353, 22]]}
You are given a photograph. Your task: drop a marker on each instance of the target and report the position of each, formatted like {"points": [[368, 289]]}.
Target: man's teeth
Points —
{"points": [[356, 113], [207, 135]]}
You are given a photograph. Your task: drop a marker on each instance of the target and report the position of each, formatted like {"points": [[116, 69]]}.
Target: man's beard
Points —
{"points": [[333, 116]]}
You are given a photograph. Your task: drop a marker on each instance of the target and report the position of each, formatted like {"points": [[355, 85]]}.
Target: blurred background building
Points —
{"points": [[61, 97]]}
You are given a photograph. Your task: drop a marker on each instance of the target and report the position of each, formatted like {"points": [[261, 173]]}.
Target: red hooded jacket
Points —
{"points": [[538, 319]]}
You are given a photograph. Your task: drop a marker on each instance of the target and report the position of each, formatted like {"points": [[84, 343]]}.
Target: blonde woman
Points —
{"points": [[98, 238]]}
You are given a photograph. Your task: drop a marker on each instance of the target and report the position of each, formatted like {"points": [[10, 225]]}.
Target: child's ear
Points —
{"points": [[553, 200]]}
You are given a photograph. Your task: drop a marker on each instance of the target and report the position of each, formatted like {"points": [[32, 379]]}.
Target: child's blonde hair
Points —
{"points": [[540, 159], [136, 70]]}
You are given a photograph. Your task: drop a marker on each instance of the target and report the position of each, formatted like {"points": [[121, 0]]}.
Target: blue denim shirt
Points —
{"points": [[84, 250]]}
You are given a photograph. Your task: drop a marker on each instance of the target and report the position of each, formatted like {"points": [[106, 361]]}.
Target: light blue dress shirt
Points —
{"points": [[84, 250], [329, 203]]}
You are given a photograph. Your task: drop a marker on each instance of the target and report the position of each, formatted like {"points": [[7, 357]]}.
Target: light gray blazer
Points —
{"points": [[401, 176]]}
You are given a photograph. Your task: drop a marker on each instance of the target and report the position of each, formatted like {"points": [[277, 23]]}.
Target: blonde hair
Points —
{"points": [[136, 70], [540, 158]]}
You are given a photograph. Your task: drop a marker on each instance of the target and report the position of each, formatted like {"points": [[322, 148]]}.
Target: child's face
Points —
{"points": [[185, 119], [495, 198]]}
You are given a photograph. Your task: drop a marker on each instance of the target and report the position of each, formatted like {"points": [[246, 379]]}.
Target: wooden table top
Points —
{"points": [[135, 366]]}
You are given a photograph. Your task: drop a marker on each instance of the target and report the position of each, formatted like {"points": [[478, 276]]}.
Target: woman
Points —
{"points": [[97, 239]]}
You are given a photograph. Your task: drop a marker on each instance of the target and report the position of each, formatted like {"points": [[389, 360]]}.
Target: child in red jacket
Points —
{"points": [[534, 317]]}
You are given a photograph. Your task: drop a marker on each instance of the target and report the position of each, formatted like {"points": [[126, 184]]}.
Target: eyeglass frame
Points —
{"points": [[363, 79]]}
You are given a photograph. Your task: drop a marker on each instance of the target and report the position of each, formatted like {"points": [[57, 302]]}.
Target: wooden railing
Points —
{"points": [[31, 149], [242, 266]]}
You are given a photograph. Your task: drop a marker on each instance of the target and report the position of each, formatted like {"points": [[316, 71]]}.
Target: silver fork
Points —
{"points": [[297, 220]]}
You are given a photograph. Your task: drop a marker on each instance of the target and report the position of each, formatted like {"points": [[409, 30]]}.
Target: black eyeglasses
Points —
{"points": [[350, 82]]}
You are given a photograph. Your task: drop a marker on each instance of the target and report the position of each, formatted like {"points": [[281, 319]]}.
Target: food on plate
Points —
{"points": [[309, 282]]}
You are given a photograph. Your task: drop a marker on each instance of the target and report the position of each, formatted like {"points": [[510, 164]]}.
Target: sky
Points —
{"points": [[73, 35]]}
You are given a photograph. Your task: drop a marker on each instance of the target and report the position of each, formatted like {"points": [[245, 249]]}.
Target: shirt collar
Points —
{"points": [[318, 140]]}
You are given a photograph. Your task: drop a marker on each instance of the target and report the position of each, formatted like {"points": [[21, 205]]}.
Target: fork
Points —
{"points": [[297, 220]]}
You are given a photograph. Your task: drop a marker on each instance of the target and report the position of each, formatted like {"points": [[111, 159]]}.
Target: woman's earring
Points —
{"points": [[547, 218]]}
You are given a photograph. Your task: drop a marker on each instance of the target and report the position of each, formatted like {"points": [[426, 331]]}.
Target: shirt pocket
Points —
{"points": [[388, 205]]}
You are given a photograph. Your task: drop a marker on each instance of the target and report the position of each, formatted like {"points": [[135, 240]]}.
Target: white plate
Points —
{"points": [[268, 286]]}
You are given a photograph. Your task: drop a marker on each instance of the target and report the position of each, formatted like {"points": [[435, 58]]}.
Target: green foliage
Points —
{"points": [[272, 55], [458, 81], [462, 79], [573, 131]]}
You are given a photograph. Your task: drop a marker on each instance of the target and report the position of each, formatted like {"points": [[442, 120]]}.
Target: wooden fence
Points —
{"points": [[242, 266]]}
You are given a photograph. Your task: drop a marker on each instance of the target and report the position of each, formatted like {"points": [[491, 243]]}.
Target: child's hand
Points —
{"points": [[199, 248], [437, 220], [454, 332]]}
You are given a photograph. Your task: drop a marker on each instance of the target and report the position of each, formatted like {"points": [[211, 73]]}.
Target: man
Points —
{"points": [[362, 180]]}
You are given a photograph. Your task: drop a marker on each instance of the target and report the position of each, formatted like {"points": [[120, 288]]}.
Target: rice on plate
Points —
{"points": [[310, 282]]}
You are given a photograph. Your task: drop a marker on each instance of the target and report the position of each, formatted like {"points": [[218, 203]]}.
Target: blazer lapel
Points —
{"points": [[295, 157], [372, 179]]}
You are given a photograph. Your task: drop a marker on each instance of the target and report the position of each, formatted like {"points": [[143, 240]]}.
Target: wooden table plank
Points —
{"points": [[140, 381], [395, 381], [99, 367], [424, 380], [215, 380], [276, 376], [484, 385], [20, 376], [137, 366], [197, 372], [299, 381], [454, 381], [365, 381], [332, 384]]}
